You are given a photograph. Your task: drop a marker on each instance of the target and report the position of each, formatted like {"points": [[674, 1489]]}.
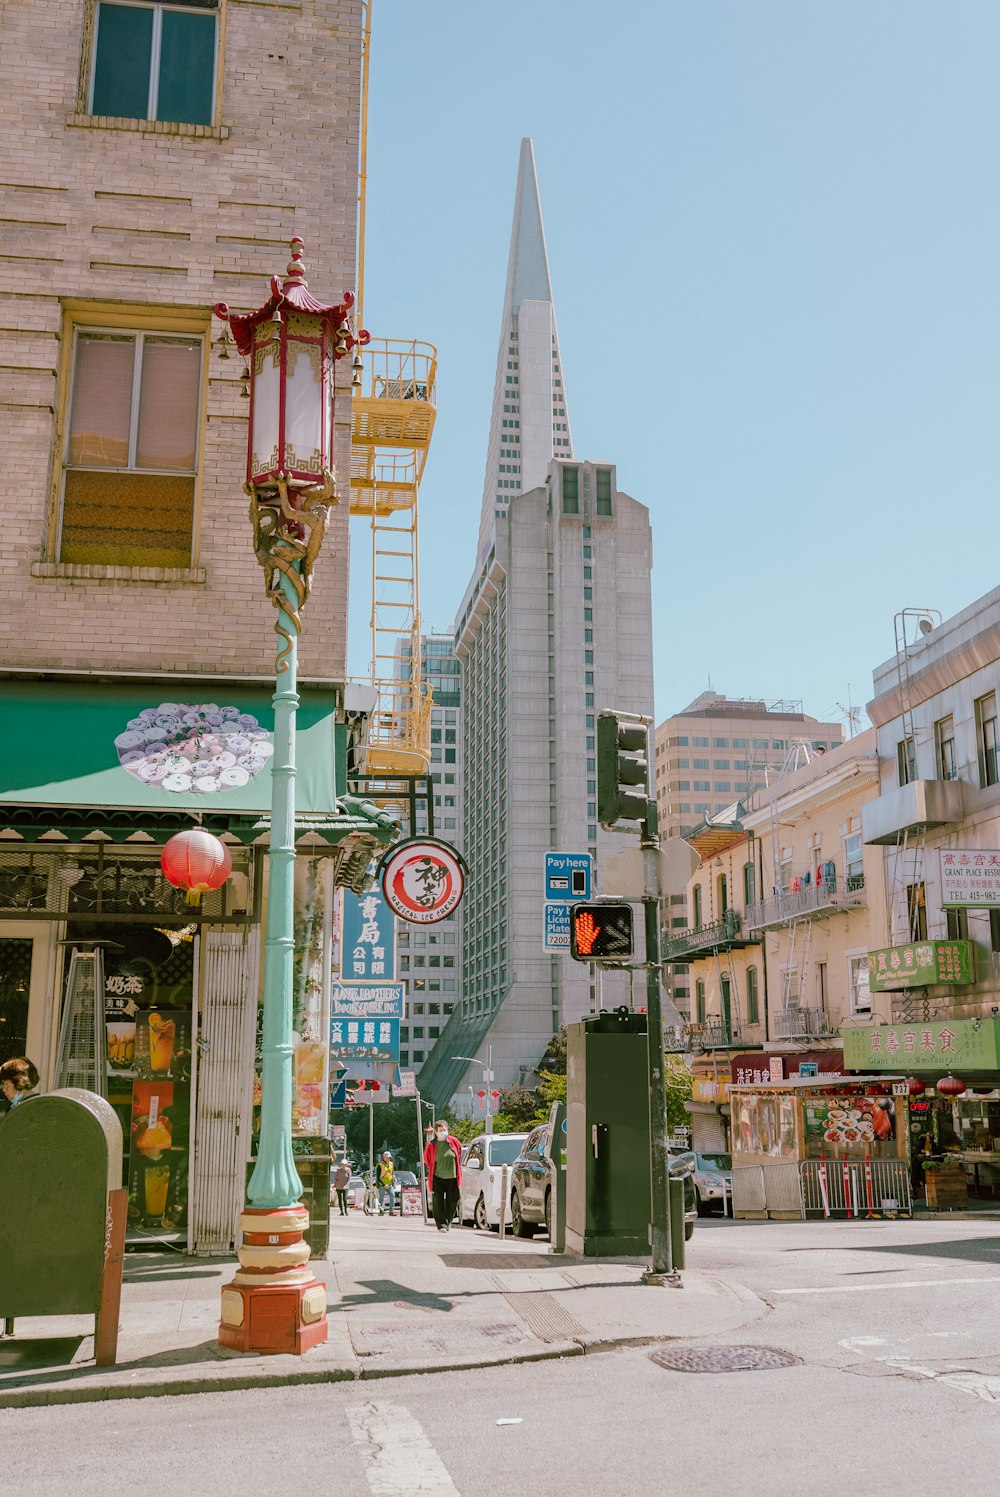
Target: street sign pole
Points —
{"points": [[662, 1269]]}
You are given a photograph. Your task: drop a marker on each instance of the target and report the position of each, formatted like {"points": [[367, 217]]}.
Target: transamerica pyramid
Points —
{"points": [[530, 420]]}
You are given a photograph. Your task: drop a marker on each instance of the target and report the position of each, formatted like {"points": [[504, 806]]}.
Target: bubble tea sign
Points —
{"points": [[423, 880]]}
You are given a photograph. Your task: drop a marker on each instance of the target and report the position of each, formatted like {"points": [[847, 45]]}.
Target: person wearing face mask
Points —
{"points": [[443, 1162]]}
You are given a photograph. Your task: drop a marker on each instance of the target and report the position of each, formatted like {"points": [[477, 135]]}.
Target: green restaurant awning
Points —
{"points": [[161, 750]]}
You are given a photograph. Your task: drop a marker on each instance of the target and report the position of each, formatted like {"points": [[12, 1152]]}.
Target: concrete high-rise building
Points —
{"points": [[719, 749], [555, 625]]}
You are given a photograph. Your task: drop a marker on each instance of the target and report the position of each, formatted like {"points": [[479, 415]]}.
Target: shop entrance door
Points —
{"points": [[24, 953]]}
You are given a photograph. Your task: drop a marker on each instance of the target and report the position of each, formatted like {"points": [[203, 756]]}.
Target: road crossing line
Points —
{"points": [[883, 1288], [399, 1459]]}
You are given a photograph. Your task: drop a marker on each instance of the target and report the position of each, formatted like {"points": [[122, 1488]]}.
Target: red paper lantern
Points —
{"points": [[950, 1086], [916, 1087], [196, 861]]}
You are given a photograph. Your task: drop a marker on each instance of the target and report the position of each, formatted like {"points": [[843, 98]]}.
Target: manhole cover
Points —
{"points": [[723, 1358]]}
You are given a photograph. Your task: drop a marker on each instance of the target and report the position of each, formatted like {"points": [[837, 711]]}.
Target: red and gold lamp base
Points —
{"points": [[274, 1303]]}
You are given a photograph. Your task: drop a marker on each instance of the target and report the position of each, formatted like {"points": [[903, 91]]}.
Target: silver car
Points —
{"points": [[713, 1180]]}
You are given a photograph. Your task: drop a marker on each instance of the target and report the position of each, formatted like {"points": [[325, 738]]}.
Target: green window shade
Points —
{"points": [[603, 487], [121, 68], [187, 68]]}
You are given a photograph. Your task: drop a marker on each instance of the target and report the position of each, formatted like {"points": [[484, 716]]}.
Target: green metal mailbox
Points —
{"points": [[62, 1227]]}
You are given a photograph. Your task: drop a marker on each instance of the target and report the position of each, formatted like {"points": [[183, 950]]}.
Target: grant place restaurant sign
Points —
{"points": [[970, 878], [959, 1044], [922, 964]]}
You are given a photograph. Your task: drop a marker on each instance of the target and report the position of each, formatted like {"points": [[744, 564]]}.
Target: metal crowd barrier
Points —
{"points": [[849, 1188]]}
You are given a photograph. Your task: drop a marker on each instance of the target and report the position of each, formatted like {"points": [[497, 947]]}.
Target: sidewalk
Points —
{"points": [[402, 1298]]}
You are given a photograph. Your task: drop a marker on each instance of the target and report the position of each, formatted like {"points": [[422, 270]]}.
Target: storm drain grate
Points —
{"points": [[724, 1359], [544, 1316]]}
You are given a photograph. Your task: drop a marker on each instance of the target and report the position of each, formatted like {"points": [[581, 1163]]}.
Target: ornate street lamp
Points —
{"points": [[274, 1302]]}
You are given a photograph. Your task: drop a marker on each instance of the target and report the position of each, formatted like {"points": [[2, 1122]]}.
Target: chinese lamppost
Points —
{"points": [[274, 1302]]}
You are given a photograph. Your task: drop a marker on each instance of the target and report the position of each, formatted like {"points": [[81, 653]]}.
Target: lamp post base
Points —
{"points": [[274, 1303]]}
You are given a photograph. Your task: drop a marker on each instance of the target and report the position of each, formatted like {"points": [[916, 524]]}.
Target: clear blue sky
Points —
{"points": [[773, 233]]}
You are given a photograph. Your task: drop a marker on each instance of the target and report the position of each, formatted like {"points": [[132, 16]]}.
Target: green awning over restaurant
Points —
{"points": [[179, 747]]}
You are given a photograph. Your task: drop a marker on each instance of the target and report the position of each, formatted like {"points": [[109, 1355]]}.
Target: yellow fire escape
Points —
{"points": [[395, 403], [393, 418]]}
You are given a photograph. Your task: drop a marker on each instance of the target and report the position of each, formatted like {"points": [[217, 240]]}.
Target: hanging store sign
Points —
{"points": [[363, 1039], [970, 879], [382, 1000], [973, 1044], [921, 964], [423, 880], [369, 938]]}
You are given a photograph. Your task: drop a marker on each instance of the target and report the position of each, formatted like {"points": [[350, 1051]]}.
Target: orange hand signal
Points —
{"points": [[587, 931]]}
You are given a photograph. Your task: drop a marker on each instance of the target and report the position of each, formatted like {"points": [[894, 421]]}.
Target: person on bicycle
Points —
{"points": [[386, 1175]]}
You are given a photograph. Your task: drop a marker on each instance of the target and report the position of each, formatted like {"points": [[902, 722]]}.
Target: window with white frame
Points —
{"points": [[131, 449], [857, 975], [854, 861], [986, 732], [944, 742], [155, 62]]}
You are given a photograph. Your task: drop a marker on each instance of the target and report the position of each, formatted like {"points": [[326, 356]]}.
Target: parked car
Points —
{"points": [[482, 1176], [531, 1183], [683, 1165], [532, 1179], [406, 1177], [713, 1179]]}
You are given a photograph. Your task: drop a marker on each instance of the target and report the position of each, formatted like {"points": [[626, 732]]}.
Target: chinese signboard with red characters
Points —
{"points": [[758, 1067], [970, 878], [965, 1044], [922, 964]]}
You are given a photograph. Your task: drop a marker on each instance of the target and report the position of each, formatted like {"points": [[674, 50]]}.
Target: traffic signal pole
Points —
{"points": [[662, 1270]]}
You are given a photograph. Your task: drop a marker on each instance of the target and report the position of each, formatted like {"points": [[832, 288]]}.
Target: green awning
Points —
{"points": [[149, 748]]}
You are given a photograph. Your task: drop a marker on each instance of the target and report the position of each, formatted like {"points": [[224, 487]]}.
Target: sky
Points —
{"points": [[773, 230]]}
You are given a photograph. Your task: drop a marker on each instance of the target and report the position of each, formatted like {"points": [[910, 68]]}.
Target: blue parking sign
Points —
{"points": [[568, 877]]}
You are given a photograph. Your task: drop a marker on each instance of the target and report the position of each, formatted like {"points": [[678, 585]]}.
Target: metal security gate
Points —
{"points": [[230, 983], [854, 1188]]}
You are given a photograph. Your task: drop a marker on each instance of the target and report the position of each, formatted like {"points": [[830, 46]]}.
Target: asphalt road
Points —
{"points": [[897, 1389]]}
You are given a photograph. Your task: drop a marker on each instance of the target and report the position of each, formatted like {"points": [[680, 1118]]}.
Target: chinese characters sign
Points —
{"points": [[363, 1039], [758, 1067], [921, 964], [969, 1043], [369, 938], [969, 879]]}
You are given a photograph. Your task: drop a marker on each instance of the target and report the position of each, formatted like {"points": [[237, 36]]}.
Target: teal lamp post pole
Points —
{"points": [[274, 1302]]}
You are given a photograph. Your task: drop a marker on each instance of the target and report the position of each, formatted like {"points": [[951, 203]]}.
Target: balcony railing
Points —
{"points": [[821, 898], [704, 939], [713, 1034], [794, 1023]]}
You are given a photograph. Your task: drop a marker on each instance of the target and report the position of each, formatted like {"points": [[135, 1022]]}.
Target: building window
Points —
{"points": [[571, 491], [696, 906], [720, 743], [699, 989], [995, 930], [861, 998], [603, 491], [749, 887], [131, 452], [958, 924], [753, 1004], [986, 733], [916, 907], [944, 741], [854, 861], [155, 62], [906, 761]]}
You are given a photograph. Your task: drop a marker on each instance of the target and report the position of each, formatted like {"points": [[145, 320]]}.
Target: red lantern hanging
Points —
{"points": [[950, 1086], [196, 861], [916, 1087]]}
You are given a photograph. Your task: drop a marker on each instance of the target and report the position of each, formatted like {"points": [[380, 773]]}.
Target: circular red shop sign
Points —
{"points": [[423, 881]]}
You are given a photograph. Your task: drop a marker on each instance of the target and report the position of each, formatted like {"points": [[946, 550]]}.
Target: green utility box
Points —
{"points": [[62, 1223], [608, 1190]]}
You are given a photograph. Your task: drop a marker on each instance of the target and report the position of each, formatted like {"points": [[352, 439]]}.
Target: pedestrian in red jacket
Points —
{"points": [[443, 1162]]}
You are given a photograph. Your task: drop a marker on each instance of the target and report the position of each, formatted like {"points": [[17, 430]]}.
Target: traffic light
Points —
{"points": [[600, 932], [622, 769]]}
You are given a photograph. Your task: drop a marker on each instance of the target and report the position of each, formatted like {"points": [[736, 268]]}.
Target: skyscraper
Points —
{"points": [[555, 625]]}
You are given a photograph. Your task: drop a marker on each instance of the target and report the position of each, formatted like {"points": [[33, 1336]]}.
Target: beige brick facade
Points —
{"points": [[103, 215]]}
